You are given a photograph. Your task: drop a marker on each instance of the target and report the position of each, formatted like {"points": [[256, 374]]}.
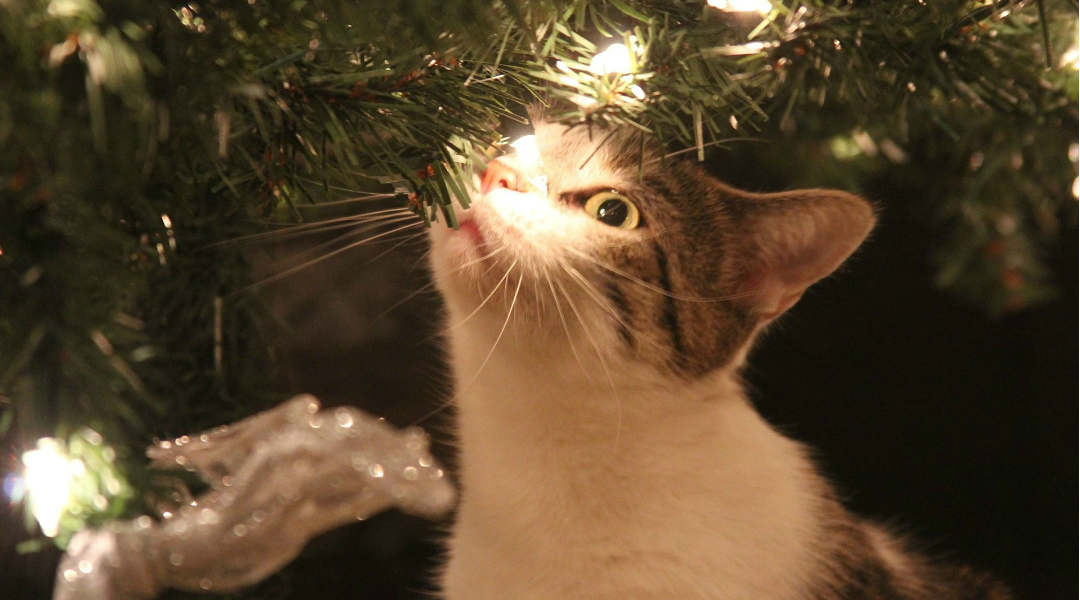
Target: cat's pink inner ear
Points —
{"points": [[794, 239]]}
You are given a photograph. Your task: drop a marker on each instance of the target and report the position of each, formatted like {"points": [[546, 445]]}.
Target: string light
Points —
{"points": [[47, 478], [1070, 59], [615, 59], [758, 6], [526, 149]]}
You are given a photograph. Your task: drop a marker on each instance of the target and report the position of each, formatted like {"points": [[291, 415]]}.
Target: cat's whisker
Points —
{"points": [[538, 300], [591, 291], [328, 255], [595, 295], [479, 280], [479, 260], [424, 256], [312, 227], [502, 330], [438, 409], [405, 240], [603, 364], [362, 215], [479, 290], [566, 328], [487, 298], [358, 230], [430, 286], [651, 286], [320, 249], [297, 231]]}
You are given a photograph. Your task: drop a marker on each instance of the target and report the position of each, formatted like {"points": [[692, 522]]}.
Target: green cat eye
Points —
{"points": [[612, 208]]}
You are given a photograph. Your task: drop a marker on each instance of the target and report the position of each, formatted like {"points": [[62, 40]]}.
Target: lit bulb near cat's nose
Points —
{"points": [[526, 150]]}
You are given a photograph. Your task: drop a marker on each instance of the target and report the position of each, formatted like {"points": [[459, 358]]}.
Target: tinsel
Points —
{"points": [[276, 480]]}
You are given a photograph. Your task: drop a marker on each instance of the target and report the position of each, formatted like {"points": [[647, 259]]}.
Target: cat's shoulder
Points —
{"points": [[873, 563]]}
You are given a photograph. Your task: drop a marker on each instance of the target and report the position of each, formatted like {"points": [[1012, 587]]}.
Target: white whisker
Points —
{"points": [[486, 299], [566, 328], [502, 330], [603, 365], [479, 260], [313, 227], [591, 291], [405, 240], [328, 255], [653, 287], [358, 230], [422, 289]]}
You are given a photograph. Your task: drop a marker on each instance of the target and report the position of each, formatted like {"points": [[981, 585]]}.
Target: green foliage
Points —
{"points": [[136, 137]]}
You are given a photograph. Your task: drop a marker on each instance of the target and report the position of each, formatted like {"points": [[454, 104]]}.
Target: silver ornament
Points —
{"points": [[277, 479]]}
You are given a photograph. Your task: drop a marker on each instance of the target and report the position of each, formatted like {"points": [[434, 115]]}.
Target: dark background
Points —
{"points": [[954, 427]]}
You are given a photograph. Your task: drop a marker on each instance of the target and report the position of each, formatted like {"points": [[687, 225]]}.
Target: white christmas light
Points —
{"points": [[48, 482], [526, 150], [1070, 59], [615, 59], [758, 6]]}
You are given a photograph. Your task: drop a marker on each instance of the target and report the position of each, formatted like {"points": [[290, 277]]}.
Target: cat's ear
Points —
{"points": [[790, 240]]}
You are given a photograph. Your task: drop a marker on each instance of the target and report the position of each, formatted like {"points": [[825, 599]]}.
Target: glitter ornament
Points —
{"points": [[276, 480]]}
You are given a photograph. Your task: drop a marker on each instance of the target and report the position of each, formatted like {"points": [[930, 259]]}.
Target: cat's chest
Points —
{"points": [[714, 498]]}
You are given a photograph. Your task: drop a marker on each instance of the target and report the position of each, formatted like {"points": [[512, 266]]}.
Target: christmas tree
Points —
{"points": [[151, 153]]}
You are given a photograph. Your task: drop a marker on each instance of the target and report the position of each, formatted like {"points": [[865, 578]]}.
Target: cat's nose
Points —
{"points": [[500, 175]]}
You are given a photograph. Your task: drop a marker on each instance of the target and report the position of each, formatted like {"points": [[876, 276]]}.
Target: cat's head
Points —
{"points": [[589, 245]]}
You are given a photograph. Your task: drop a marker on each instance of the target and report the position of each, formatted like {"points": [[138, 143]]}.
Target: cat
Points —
{"points": [[601, 301]]}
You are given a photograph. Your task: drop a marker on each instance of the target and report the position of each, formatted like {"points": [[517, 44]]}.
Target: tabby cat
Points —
{"points": [[601, 301]]}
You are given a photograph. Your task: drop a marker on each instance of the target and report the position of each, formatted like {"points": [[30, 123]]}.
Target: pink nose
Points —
{"points": [[499, 175]]}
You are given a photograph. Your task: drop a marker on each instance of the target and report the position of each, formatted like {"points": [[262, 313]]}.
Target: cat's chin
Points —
{"points": [[461, 259]]}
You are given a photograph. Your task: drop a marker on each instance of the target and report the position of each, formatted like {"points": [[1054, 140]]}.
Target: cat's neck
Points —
{"points": [[571, 397], [515, 407]]}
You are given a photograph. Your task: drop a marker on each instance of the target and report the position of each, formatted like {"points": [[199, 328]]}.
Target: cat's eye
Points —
{"points": [[612, 208]]}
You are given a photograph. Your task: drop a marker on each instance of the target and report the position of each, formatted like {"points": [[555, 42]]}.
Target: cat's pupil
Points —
{"points": [[613, 212]]}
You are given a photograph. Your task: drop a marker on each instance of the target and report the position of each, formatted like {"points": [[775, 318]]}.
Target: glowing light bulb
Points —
{"points": [[48, 483], [526, 150], [1070, 59], [758, 6], [615, 59]]}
